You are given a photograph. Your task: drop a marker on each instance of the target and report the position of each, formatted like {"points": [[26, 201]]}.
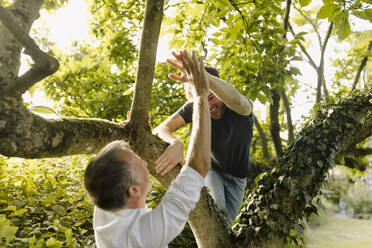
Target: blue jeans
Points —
{"points": [[227, 191]]}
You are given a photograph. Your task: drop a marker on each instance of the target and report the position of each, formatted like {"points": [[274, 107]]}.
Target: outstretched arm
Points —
{"points": [[173, 154], [230, 96], [198, 154]]}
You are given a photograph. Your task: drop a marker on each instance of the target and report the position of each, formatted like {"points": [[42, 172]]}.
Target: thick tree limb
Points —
{"points": [[24, 134], [290, 188], [45, 63], [146, 61], [361, 66]]}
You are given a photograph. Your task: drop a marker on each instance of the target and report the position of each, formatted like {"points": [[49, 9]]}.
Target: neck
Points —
{"points": [[135, 203]]}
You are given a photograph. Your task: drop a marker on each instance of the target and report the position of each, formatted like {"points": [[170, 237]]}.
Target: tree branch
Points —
{"points": [[45, 63], [320, 70], [286, 193], [288, 113], [146, 61], [312, 24], [311, 61], [361, 66], [360, 152], [274, 123], [286, 17], [262, 134]]}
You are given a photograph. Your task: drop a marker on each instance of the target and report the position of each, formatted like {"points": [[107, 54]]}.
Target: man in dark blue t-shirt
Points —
{"points": [[232, 128]]}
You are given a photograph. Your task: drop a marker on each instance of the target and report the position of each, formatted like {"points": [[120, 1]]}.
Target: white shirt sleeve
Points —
{"points": [[162, 224]]}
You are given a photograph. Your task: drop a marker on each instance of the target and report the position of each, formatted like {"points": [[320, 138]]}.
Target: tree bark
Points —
{"points": [[262, 134], [146, 61], [274, 123], [24, 12], [288, 113]]}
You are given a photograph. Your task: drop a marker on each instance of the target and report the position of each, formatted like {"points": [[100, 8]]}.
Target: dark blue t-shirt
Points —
{"points": [[231, 140]]}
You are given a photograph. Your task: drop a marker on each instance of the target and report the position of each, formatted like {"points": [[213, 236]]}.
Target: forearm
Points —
{"points": [[198, 155], [229, 95], [166, 134]]}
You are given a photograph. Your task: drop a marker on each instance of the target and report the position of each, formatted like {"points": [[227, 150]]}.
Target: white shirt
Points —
{"points": [[144, 227]]}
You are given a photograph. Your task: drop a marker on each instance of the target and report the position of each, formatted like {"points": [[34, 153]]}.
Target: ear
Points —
{"points": [[133, 191]]}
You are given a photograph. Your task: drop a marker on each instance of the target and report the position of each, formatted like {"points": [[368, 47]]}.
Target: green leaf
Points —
{"points": [[32, 241], [343, 27], [304, 3], [328, 10], [366, 14], [42, 110], [53, 243], [68, 234], [328, 1], [7, 231], [128, 91]]}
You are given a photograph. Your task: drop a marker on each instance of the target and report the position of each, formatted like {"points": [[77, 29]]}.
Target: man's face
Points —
{"points": [[216, 106], [140, 168]]}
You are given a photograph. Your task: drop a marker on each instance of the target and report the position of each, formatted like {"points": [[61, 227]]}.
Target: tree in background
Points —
{"points": [[247, 41]]}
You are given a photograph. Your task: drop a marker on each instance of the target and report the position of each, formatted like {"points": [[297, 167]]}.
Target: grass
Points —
{"points": [[327, 231]]}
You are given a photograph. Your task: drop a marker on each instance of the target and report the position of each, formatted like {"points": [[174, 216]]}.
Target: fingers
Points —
{"points": [[175, 65], [164, 166]]}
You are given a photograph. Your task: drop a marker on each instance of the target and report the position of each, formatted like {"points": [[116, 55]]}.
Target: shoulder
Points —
{"points": [[186, 112]]}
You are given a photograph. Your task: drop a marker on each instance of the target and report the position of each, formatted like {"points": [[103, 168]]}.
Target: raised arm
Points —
{"points": [[223, 90], [198, 153], [230, 96]]}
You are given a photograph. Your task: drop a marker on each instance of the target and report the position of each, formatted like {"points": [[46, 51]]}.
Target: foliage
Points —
{"points": [[338, 13], [46, 202], [246, 44], [350, 63], [43, 204]]}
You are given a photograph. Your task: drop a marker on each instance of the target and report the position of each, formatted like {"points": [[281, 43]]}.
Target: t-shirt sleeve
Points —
{"points": [[168, 219], [186, 112]]}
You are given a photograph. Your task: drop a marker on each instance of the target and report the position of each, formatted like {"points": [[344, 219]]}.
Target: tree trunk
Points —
{"points": [[288, 113], [274, 123], [261, 133]]}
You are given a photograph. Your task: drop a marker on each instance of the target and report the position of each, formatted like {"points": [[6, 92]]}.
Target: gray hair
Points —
{"points": [[108, 177]]}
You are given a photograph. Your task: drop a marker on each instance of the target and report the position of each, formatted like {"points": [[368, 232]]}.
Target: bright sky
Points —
{"points": [[70, 24]]}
